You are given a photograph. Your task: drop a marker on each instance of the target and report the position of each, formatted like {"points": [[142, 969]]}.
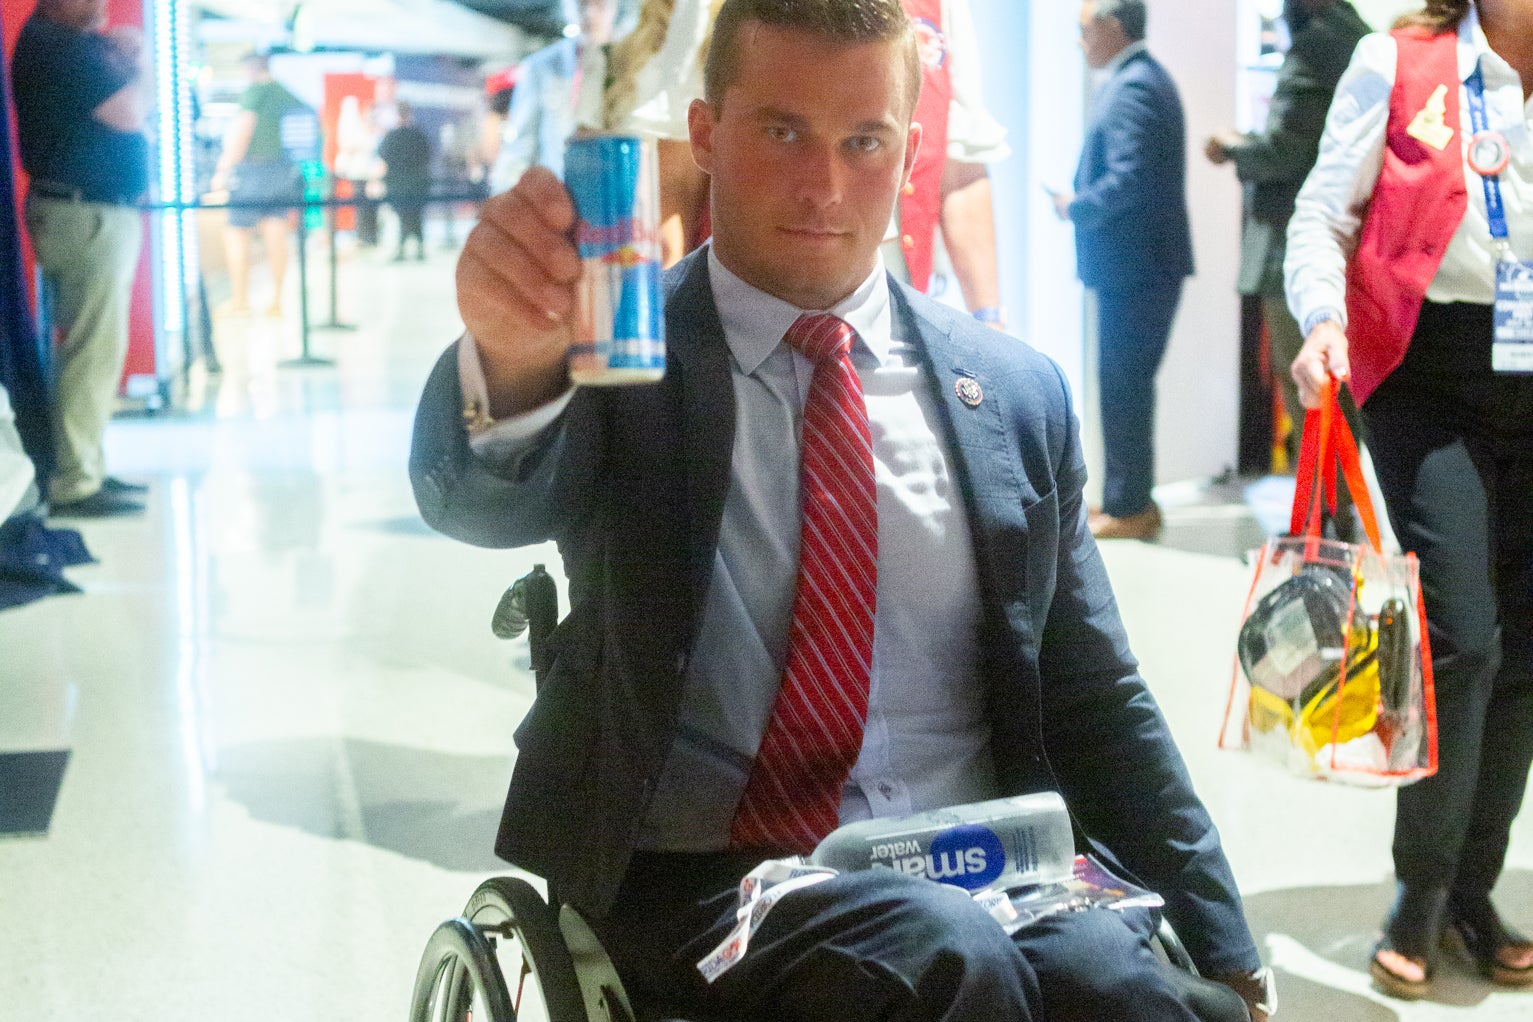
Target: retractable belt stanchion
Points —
{"points": [[334, 322], [306, 357]]}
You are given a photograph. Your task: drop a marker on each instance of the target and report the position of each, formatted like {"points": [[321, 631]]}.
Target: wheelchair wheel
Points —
{"points": [[459, 980], [523, 931]]}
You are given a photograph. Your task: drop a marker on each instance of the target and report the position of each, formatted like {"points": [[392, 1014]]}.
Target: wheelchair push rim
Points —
{"points": [[534, 963], [458, 973]]}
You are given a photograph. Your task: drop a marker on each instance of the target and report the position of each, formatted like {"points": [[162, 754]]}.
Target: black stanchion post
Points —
{"points": [[304, 359], [334, 322]]}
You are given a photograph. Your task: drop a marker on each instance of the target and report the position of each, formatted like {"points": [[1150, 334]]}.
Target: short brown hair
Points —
{"points": [[1438, 16], [843, 21]]}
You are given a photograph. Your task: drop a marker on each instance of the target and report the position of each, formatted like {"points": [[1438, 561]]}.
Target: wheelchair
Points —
{"points": [[512, 956]]}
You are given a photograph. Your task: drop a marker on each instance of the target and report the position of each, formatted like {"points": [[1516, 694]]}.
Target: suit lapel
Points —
{"points": [[974, 428], [986, 462], [698, 364]]}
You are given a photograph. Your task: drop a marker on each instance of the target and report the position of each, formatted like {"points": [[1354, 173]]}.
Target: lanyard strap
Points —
{"points": [[1495, 210]]}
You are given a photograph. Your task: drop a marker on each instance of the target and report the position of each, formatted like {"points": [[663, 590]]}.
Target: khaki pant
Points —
{"points": [[88, 252]]}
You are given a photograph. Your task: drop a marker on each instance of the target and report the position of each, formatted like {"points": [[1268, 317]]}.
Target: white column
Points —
{"points": [[1197, 417]]}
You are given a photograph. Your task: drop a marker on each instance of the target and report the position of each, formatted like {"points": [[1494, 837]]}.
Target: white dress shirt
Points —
{"points": [[1328, 216], [927, 740]]}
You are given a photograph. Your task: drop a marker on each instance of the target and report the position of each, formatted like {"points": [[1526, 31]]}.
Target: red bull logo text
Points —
{"points": [[621, 324]]}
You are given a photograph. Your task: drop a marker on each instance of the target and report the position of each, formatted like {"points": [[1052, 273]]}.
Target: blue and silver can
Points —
{"points": [[620, 327]]}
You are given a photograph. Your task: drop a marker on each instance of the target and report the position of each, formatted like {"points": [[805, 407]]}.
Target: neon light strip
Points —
{"points": [[185, 144], [178, 261]]}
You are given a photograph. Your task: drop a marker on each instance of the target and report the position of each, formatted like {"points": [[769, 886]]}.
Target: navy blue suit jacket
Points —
{"points": [[1130, 206], [631, 483]]}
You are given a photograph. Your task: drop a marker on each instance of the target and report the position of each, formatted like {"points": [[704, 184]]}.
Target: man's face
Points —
{"points": [[807, 150], [1101, 38], [86, 15], [596, 20]]}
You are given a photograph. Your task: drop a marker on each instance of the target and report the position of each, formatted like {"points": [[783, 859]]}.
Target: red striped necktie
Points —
{"points": [[793, 796]]}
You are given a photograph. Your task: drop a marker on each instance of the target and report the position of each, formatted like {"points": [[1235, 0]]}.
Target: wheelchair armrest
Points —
{"points": [[1172, 947]]}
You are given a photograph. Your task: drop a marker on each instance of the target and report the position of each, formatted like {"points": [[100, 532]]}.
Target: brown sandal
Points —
{"points": [[1391, 982], [1482, 941], [1411, 931]]}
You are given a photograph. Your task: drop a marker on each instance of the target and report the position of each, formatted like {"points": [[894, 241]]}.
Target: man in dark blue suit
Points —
{"points": [[997, 662], [1133, 248]]}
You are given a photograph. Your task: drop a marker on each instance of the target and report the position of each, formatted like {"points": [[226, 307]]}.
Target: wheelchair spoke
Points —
{"points": [[521, 985]]}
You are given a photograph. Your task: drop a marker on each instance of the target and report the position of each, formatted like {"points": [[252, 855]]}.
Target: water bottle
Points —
{"points": [[1001, 844]]}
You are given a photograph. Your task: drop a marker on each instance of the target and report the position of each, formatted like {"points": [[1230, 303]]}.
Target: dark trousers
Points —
{"points": [[1133, 326], [411, 221], [881, 945], [1452, 443], [367, 215]]}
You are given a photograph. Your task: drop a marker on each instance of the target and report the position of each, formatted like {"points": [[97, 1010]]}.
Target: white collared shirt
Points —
{"points": [[1329, 214], [927, 739]]}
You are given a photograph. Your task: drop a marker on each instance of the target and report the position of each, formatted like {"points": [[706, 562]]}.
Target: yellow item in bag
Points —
{"points": [[1329, 712]]}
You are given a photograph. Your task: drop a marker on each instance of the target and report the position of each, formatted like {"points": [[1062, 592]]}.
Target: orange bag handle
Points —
{"points": [[1328, 441]]}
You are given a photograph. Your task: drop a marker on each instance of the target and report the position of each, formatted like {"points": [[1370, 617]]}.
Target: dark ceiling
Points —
{"points": [[539, 17]]}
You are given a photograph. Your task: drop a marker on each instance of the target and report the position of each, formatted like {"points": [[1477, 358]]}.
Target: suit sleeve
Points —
{"points": [[530, 497], [1113, 754], [1286, 149], [1136, 125]]}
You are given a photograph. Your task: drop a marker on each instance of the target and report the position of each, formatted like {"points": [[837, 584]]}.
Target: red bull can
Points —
{"points": [[620, 324]]}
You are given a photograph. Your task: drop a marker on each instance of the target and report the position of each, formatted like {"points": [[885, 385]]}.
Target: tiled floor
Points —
{"points": [[290, 724]]}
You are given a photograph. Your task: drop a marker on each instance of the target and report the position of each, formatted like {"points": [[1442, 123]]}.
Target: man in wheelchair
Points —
{"points": [[834, 566]]}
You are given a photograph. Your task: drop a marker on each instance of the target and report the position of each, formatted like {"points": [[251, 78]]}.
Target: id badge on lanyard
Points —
{"points": [[1489, 154]]}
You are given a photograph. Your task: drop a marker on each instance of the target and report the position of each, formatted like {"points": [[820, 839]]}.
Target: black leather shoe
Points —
{"points": [[100, 504], [111, 484]]}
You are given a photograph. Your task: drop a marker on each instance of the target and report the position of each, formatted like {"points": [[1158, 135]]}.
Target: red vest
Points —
{"points": [[1417, 205], [921, 202]]}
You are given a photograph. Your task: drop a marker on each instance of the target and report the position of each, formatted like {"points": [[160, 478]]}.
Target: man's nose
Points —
{"points": [[821, 175]]}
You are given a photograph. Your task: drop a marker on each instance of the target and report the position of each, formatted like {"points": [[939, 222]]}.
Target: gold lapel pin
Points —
{"points": [[969, 391]]}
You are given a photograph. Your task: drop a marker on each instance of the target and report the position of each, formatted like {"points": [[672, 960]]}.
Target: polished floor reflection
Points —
{"points": [[289, 726]]}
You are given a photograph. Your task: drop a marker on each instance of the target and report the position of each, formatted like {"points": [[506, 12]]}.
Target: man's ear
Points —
{"points": [[700, 124], [912, 147]]}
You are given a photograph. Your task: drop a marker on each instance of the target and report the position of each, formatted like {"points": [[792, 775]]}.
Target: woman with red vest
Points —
{"points": [[1410, 266]]}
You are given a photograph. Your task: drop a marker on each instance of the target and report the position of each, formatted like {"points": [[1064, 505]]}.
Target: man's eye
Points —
{"points": [[866, 143], [779, 134]]}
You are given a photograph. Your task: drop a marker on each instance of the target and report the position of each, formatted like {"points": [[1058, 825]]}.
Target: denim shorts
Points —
{"points": [[273, 181]]}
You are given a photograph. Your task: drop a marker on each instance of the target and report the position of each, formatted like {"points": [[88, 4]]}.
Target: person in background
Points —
{"points": [[32, 555], [541, 117], [81, 101], [949, 190], [498, 90], [1393, 267], [827, 445], [1272, 164], [406, 156], [1133, 248], [356, 155], [254, 168]]}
